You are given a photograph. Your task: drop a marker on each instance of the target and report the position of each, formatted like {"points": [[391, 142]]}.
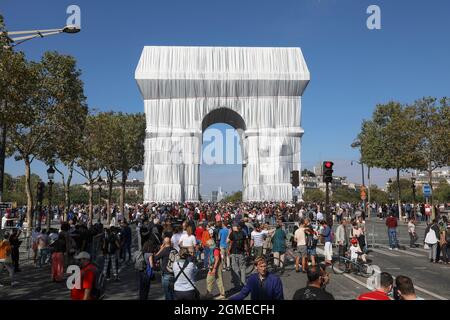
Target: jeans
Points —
{"points": [[144, 285], [206, 253], [393, 243], [43, 256], [238, 270], [445, 249], [126, 248], [166, 278], [110, 258], [412, 239], [9, 267], [433, 250], [342, 249]]}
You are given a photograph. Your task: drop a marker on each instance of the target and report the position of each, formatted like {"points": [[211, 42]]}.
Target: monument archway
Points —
{"points": [[257, 90]]}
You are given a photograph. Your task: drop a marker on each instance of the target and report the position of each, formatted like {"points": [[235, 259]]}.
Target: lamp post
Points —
{"points": [[389, 190], [51, 176], [100, 182], [363, 184], [413, 187]]}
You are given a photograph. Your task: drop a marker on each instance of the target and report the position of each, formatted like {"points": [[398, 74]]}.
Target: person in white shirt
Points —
{"points": [[258, 237], [355, 252], [412, 232], [188, 240], [175, 240], [319, 216]]}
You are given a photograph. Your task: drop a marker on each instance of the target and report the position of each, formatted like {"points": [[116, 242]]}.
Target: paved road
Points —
{"points": [[432, 281]]}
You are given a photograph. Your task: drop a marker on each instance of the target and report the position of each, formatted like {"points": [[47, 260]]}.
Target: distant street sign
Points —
{"points": [[426, 189]]}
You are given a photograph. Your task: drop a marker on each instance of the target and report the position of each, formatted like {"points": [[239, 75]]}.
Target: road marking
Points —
{"points": [[421, 250], [392, 268], [429, 293], [355, 280], [420, 268], [415, 286], [383, 252], [405, 252]]}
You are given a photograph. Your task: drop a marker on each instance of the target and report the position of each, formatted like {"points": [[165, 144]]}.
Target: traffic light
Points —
{"points": [[295, 180], [327, 171], [40, 191]]}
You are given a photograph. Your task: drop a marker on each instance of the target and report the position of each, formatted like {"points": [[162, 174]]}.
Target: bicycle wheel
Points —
{"points": [[249, 266], [339, 266], [364, 270]]}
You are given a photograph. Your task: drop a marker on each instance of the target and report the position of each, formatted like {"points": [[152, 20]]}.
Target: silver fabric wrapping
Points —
{"points": [[256, 90]]}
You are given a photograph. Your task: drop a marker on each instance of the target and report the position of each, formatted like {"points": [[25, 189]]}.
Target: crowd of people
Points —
{"points": [[179, 241]]}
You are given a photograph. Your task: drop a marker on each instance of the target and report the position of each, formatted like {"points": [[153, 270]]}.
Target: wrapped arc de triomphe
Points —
{"points": [[255, 90]]}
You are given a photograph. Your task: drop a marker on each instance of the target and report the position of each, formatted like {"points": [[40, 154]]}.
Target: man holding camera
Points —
{"points": [[318, 278]]}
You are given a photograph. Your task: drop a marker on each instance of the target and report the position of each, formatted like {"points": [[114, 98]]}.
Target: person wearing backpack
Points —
{"points": [[144, 265], [215, 270], [432, 240], [88, 276], [184, 270], [167, 256]]}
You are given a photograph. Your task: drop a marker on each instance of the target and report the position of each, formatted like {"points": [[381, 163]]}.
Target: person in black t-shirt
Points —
{"points": [[317, 279], [238, 246]]}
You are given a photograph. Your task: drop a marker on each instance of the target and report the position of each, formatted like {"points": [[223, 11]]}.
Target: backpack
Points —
{"points": [[98, 291], [447, 237], [139, 261], [172, 256]]}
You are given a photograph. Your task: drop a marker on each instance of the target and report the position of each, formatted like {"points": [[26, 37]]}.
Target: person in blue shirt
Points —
{"points": [[327, 235], [223, 236], [261, 285]]}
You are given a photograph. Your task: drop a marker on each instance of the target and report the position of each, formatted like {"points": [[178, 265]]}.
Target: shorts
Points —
{"points": [[311, 251], [301, 251]]}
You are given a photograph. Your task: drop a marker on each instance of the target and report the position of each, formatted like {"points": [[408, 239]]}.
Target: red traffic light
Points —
{"points": [[328, 164]]}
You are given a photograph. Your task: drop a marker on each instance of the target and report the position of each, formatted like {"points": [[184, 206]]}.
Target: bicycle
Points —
{"points": [[345, 265], [250, 261]]}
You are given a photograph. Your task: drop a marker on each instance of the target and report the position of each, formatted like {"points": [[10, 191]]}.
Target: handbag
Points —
{"points": [[431, 237], [426, 246]]}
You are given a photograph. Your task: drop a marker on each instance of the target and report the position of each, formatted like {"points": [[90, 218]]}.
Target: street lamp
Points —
{"points": [[51, 176], [413, 187], [389, 190], [31, 34], [100, 182]]}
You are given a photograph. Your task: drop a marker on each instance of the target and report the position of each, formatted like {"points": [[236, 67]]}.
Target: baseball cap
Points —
{"points": [[83, 255]]}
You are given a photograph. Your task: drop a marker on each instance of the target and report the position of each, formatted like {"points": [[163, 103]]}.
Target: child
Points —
{"points": [[355, 251]]}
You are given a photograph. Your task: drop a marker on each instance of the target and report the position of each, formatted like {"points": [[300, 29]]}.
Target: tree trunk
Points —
{"points": [[29, 193], [91, 205], [430, 181], [399, 201], [108, 203], [122, 192], [67, 188]]}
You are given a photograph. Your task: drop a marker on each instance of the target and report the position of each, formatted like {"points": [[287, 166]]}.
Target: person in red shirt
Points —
{"points": [[382, 293], [88, 271], [391, 223]]}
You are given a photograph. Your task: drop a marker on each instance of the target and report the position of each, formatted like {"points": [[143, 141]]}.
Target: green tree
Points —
{"points": [[131, 142], [110, 152], [314, 195], [68, 111], [432, 134], [235, 197], [88, 160], [345, 195], [387, 141], [307, 173]]}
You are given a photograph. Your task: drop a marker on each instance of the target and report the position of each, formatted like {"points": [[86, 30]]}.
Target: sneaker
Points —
{"points": [[390, 249], [14, 283], [1, 285], [396, 249], [221, 297]]}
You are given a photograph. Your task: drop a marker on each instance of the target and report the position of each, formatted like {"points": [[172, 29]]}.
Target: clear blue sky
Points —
{"points": [[352, 68]]}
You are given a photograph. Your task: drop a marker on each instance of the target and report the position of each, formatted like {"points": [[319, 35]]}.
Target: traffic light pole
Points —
{"points": [[327, 198]]}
